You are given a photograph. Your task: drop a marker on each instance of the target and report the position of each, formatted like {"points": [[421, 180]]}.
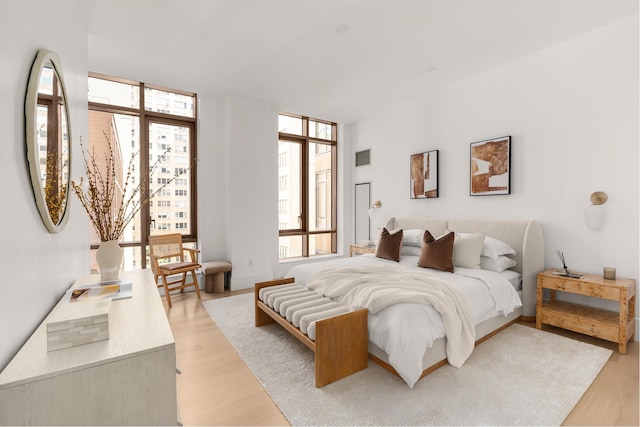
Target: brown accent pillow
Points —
{"points": [[437, 254], [389, 245]]}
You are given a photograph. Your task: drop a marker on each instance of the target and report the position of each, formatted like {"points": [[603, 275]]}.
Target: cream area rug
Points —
{"points": [[521, 376]]}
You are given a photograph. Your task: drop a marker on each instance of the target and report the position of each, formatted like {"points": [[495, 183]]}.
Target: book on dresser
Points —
{"points": [[114, 290]]}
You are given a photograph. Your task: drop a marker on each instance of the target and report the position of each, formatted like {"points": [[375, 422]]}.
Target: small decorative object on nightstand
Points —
{"points": [[565, 270], [609, 273], [361, 250], [608, 325]]}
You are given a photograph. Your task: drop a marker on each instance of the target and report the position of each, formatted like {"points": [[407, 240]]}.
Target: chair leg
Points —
{"points": [[166, 290], [194, 277], [184, 282]]}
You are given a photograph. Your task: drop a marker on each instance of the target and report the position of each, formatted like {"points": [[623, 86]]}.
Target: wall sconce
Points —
{"points": [[375, 209], [595, 213], [377, 218]]}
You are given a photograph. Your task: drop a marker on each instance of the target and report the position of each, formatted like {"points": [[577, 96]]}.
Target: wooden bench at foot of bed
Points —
{"points": [[341, 341]]}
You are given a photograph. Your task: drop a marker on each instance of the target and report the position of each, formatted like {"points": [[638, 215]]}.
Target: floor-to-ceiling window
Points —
{"points": [[306, 186], [152, 134]]}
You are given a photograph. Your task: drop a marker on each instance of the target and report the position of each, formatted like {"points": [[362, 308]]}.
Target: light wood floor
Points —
{"points": [[217, 388]]}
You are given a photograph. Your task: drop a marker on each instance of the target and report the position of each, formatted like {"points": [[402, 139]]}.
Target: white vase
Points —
{"points": [[109, 257]]}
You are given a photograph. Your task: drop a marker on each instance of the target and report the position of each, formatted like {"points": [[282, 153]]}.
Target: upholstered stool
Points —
{"points": [[216, 275]]}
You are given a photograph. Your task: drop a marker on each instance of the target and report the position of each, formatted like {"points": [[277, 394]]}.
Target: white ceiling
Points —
{"points": [[289, 52]]}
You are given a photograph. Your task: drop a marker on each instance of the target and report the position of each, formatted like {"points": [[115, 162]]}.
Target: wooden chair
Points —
{"points": [[167, 246]]}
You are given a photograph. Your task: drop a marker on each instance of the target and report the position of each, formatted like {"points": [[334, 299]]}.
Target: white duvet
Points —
{"points": [[404, 331]]}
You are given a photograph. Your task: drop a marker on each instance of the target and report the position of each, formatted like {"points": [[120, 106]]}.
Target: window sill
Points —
{"points": [[310, 259]]}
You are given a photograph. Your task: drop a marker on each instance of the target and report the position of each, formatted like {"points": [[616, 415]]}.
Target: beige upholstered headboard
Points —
{"points": [[525, 236]]}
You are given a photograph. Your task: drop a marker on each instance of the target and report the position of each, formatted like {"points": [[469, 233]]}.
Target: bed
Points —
{"points": [[407, 338]]}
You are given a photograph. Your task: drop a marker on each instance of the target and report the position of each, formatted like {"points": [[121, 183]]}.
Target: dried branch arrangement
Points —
{"points": [[55, 189], [111, 206]]}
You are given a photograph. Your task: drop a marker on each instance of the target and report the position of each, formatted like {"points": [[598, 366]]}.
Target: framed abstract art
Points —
{"points": [[424, 175], [490, 167]]}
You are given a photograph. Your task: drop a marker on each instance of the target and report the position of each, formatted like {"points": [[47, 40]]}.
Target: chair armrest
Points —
{"points": [[192, 253]]}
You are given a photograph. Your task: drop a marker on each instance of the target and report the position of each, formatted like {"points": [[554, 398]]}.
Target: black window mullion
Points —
{"points": [[334, 196], [304, 170], [144, 171]]}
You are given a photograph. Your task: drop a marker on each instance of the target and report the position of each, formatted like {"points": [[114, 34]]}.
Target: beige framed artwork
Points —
{"points": [[490, 163], [424, 175]]}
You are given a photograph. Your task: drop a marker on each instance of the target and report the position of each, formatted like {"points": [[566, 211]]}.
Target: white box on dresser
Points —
{"points": [[77, 324], [129, 379]]}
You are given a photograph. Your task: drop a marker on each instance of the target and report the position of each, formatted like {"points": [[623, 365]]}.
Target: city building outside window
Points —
{"points": [[307, 150]]}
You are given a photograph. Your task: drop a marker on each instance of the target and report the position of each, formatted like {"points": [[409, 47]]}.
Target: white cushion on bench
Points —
{"points": [[285, 305], [285, 297], [264, 292], [301, 307], [308, 323], [318, 308], [271, 298]]}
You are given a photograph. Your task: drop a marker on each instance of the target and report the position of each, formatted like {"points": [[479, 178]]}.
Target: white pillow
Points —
{"points": [[500, 264], [410, 250], [467, 249], [493, 248], [412, 237]]}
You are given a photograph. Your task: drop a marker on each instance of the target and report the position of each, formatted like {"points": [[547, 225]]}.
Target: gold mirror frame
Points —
{"points": [[48, 139]]}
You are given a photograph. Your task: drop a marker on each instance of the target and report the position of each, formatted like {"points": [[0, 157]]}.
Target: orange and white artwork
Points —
{"points": [[490, 167], [424, 175]]}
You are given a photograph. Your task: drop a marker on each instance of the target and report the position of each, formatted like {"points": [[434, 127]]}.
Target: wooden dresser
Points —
{"points": [[129, 379], [613, 326]]}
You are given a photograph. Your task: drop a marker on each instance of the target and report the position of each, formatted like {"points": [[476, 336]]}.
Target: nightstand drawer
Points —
{"points": [[581, 287]]}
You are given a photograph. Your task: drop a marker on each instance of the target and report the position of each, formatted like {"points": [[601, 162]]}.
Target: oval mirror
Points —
{"points": [[48, 135]]}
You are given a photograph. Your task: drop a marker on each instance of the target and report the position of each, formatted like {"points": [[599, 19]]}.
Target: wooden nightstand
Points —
{"points": [[608, 325], [360, 250]]}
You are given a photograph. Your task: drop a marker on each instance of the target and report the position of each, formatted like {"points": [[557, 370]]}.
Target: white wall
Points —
{"points": [[38, 266], [251, 185], [212, 177], [572, 113]]}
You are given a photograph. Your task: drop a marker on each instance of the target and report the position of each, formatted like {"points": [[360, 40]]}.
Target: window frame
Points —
{"points": [[305, 141], [146, 118]]}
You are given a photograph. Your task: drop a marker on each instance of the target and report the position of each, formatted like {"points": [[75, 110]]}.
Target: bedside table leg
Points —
{"points": [[539, 306], [622, 348], [631, 314], [623, 336]]}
